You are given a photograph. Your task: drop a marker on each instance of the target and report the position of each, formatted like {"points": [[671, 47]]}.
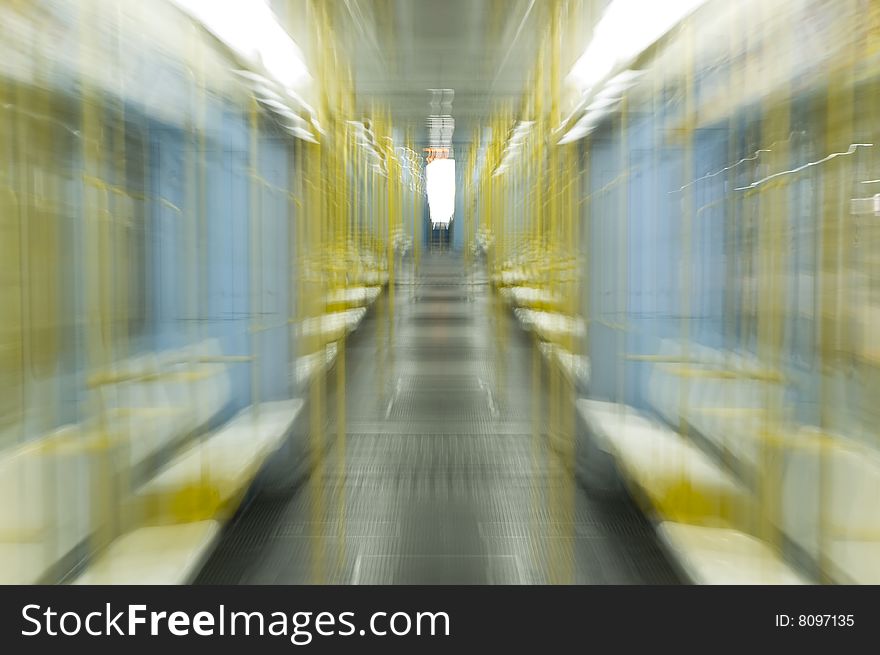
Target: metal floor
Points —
{"points": [[445, 476]]}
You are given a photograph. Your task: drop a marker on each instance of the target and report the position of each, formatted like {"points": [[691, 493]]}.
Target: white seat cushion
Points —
{"points": [[680, 480], [23, 562], [855, 562], [851, 531], [605, 418], [353, 295], [45, 487], [307, 365], [229, 458], [726, 557], [167, 554]]}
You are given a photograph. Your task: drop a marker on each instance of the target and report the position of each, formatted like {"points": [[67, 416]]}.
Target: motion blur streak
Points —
{"points": [[473, 291]]}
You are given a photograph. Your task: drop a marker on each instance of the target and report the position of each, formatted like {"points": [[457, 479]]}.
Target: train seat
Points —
{"points": [[166, 554], [830, 489], [681, 482], [736, 430], [23, 562], [718, 397], [552, 326], [575, 367], [137, 408], [215, 470], [333, 326], [533, 298], [149, 401], [198, 374], [510, 277], [352, 297], [731, 413], [724, 556], [308, 365], [45, 513], [183, 502], [669, 390], [372, 278]]}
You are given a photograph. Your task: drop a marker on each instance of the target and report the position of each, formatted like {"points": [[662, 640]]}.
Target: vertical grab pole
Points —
{"points": [[730, 309], [391, 218], [687, 218], [317, 220], [94, 210], [121, 235], [199, 208], [833, 340], [256, 264], [772, 244], [345, 142]]}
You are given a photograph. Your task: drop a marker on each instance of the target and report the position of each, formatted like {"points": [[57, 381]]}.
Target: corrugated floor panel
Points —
{"points": [[441, 478]]}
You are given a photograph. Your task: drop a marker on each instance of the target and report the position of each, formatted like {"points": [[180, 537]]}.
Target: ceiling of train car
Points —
{"points": [[484, 50]]}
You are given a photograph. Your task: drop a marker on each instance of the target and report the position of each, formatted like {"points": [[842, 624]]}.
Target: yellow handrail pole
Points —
{"points": [[560, 495], [738, 515], [14, 323], [123, 260], [687, 210], [497, 247], [588, 219], [383, 305], [412, 189], [32, 266], [839, 113], [94, 214], [344, 136], [773, 209], [317, 220], [418, 219], [199, 196], [570, 245], [391, 217]]}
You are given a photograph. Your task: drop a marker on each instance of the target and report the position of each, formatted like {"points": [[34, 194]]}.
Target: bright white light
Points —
{"points": [[522, 128], [441, 190], [626, 29], [253, 32], [625, 79], [585, 125], [603, 103]]}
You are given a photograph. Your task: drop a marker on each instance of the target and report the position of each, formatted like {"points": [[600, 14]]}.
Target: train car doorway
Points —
{"points": [[441, 237]]}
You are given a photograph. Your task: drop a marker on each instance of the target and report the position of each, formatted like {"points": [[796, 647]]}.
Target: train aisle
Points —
{"points": [[444, 476]]}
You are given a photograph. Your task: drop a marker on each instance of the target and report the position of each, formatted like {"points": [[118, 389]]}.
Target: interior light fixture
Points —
{"points": [[625, 30], [253, 32]]}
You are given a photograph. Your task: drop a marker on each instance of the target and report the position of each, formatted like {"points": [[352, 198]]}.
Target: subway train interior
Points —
{"points": [[420, 292]]}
